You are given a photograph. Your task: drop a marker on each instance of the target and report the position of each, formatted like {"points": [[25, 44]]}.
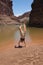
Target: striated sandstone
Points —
{"points": [[6, 7]]}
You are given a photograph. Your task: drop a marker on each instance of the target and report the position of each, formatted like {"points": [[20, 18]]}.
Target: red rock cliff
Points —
{"points": [[36, 16], [6, 7]]}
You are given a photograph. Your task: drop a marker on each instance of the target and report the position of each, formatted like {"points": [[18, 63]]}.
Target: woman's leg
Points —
{"points": [[19, 43], [25, 43]]}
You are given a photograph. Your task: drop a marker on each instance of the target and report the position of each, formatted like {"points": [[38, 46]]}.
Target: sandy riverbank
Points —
{"points": [[31, 55]]}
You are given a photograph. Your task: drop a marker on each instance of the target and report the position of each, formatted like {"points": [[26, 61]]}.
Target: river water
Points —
{"points": [[34, 35]]}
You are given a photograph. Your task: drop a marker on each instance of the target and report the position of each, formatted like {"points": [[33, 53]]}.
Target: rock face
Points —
{"points": [[25, 17], [6, 13], [4, 19], [6, 7], [36, 16]]}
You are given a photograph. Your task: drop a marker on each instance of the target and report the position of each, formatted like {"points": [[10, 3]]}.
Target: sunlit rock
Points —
{"points": [[6, 7]]}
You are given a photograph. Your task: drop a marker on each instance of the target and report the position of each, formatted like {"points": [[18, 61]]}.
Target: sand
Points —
{"points": [[32, 54]]}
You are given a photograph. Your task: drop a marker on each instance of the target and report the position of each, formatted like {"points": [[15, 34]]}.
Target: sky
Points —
{"points": [[21, 6]]}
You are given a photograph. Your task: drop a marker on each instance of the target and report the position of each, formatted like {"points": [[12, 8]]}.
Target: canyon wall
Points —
{"points": [[36, 16], [6, 7]]}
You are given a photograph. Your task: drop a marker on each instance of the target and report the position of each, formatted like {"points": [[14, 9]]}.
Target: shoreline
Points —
{"points": [[10, 43]]}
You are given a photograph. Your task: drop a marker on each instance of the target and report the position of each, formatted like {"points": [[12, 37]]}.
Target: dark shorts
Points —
{"points": [[22, 39]]}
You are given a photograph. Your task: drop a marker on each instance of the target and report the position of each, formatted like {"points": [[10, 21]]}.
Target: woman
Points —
{"points": [[22, 34]]}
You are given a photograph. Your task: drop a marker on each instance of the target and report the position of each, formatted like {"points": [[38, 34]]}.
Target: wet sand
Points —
{"points": [[31, 55]]}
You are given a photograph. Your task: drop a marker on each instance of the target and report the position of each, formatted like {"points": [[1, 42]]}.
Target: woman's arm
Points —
{"points": [[24, 28], [20, 28]]}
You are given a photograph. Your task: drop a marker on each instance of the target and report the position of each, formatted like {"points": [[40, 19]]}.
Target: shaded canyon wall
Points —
{"points": [[36, 16]]}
